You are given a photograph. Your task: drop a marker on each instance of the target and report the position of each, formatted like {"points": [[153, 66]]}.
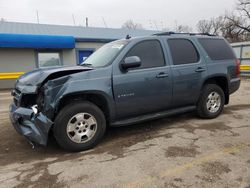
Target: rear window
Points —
{"points": [[217, 49]]}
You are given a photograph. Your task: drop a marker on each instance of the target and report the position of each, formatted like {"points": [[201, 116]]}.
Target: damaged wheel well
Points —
{"points": [[96, 99]]}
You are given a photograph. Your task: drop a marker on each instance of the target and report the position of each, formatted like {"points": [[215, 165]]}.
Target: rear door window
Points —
{"points": [[217, 49], [183, 51]]}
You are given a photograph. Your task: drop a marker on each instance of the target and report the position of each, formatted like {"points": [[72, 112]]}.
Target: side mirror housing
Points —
{"points": [[131, 62]]}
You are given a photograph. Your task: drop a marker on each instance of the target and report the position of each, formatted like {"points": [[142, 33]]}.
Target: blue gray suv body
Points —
{"points": [[125, 82]]}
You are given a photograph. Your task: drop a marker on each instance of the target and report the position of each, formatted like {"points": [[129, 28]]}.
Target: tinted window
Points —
{"points": [[183, 51], [217, 49], [150, 53], [48, 59]]}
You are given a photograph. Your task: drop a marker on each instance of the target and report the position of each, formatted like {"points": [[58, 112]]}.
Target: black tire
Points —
{"points": [[202, 109], [66, 114]]}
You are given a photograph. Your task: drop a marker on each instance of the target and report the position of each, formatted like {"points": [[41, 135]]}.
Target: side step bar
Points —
{"points": [[157, 115]]}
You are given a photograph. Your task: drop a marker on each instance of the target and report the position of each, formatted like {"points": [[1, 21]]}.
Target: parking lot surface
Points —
{"points": [[179, 151]]}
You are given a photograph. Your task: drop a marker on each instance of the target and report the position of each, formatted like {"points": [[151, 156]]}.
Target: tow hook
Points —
{"points": [[34, 108], [32, 144]]}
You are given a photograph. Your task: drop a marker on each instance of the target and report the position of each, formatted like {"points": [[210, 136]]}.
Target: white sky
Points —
{"points": [[151, 14]]}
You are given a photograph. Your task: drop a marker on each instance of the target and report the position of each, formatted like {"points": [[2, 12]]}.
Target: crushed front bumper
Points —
{"points": [[35, 127]]}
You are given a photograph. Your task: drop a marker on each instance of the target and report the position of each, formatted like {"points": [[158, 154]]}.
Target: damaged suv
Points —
{"points": [[125, 82]]}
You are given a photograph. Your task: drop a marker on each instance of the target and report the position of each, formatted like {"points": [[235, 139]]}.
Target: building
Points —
{"points": [[26, 46], [242, 51]]}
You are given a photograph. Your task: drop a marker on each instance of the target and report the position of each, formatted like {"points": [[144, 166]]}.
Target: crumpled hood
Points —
{"points": [[36, 77]]}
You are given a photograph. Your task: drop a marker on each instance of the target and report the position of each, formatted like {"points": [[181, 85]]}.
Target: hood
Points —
{"points": [[39, 76]]}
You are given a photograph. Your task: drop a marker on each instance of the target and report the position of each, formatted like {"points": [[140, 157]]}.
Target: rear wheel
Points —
{"points": [[79, 126], [211, 102]]}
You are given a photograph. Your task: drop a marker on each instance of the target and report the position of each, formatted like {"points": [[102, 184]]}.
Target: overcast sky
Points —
{"points": [[152, 14]]}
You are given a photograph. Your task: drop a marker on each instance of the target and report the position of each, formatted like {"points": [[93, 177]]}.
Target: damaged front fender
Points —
{"points": [[95, 82], [35, 127]]}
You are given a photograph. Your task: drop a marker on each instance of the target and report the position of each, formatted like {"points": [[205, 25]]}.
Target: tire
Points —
{"points": [[208, 108], [79, 126]]}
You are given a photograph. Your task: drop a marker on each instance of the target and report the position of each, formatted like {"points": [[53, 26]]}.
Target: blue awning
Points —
{"points": [[36, 41]]}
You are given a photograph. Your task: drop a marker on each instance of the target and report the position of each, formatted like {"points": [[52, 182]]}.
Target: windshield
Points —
{"points": [[105, 55]]}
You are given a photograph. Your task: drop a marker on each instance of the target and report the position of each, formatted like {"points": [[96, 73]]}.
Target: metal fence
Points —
{"points": [[242, 51]]}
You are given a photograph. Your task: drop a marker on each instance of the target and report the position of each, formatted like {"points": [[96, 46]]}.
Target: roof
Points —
{"points": [[78, 32]]}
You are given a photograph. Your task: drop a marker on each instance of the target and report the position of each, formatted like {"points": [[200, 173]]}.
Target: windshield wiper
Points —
{"points": [[87, 64]]}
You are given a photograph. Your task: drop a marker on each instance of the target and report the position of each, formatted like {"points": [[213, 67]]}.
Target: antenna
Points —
{"points": [[155, 25], [87, 22], [104, 22], [73, 17], [37, 16], [128, 36]]}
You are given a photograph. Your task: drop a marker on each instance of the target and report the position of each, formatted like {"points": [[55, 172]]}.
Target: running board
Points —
{"points": [[157, 115]]}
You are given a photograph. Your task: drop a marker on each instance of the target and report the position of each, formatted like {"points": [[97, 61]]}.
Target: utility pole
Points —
{"points": [[37, 16], [73, 17], [87, 22]]}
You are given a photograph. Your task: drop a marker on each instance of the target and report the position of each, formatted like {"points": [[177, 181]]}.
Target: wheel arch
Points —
{"points": [[98, 98], [220, 80]]}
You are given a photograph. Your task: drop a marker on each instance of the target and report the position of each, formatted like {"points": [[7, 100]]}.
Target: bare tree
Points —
{"points": [[183, 29], [244, 11], [204, 26], [234, 26], [240, 20], [212, 26], [129, 24]]}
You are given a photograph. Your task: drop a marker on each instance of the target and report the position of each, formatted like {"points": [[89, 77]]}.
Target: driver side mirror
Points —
{"points": [[131, 62]]}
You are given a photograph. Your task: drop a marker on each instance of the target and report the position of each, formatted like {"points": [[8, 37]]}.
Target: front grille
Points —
{"points": [[23, 100], [16, 96]]}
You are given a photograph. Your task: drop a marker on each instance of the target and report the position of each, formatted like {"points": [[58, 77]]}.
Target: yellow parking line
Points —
{"points": [[10, 75], [189, 165]]}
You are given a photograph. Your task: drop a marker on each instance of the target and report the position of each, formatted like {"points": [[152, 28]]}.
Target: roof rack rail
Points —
{"points": [[174, 33]]}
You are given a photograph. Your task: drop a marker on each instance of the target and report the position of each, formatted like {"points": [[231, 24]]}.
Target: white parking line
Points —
{"points": [[4, 93], [5, 98], [5, 113]]}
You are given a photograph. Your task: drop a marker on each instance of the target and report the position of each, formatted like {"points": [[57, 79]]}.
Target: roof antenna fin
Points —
{"points": [[128, 36]]}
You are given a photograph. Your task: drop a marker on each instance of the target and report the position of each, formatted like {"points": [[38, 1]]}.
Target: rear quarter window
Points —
{"points": [[217, 49]]}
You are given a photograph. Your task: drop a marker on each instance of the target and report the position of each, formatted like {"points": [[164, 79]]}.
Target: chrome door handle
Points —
{"points": [[200, 69], [162, 75]]}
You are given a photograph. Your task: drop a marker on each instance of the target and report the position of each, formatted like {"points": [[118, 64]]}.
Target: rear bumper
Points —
{"points": [[234, 85], [35, 127]]}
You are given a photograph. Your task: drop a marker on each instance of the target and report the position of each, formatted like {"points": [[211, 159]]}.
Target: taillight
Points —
{"points": [[237, 71]]}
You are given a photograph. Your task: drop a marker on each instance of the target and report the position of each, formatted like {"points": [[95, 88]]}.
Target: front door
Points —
{"points": [[145, 89]]}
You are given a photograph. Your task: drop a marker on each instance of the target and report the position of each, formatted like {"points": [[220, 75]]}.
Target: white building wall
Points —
{"points": [[24, 60]]}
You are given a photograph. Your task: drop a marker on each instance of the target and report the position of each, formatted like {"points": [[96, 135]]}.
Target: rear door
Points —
{"points": [[188, 68], [147, 88]]}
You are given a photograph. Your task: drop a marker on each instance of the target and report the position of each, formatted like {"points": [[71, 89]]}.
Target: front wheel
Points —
{"points": [[211, 102], [79, 126]]}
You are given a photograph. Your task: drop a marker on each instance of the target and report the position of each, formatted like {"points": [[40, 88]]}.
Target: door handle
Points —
{"points": [[200, 69], [162, 75]]}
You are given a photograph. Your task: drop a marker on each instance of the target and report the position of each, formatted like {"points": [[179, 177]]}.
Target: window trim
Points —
{"points": [[186, 64], [48, 51], [137, 69]]}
